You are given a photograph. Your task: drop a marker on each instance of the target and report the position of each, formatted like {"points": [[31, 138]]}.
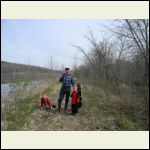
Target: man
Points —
{"points": [[67, 80]]}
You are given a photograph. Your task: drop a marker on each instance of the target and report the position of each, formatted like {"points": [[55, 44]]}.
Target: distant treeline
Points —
{"points": [[12, 72]]}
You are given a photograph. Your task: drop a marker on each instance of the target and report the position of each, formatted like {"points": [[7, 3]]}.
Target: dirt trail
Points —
{"points": [[45, 119]]}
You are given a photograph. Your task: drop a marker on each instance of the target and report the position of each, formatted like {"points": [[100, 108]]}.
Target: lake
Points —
{"points": [[22, 86]]}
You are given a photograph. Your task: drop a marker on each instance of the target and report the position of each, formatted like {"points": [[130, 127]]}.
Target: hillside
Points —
{"points": [[10, 72]]}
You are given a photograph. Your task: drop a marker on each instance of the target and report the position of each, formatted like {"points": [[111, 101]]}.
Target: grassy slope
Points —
{"points": [[12, 72], [99, 112]]}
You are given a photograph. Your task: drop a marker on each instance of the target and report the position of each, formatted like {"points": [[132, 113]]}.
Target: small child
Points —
{"points": [[46, 101], [74, 102], [79, 92]]}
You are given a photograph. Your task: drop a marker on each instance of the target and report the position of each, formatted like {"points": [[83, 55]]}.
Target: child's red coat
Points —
{"points": [[75, 97], [45, 101]]}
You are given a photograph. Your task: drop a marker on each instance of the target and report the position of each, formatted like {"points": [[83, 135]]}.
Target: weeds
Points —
{"points": [[99, 112]]}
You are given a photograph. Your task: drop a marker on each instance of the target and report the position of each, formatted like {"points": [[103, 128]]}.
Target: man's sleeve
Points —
{"points": [[61, 78]]}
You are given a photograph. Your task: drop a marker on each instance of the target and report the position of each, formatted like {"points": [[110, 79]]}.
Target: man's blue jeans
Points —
{"points": [[64, 91]]}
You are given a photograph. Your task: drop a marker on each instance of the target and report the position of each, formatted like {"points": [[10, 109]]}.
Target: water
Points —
{"points": [[22, 86], [5, 89]]}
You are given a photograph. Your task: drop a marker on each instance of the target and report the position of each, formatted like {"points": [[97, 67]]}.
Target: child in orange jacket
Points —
{"points": [[46, 101], [74, 101]]}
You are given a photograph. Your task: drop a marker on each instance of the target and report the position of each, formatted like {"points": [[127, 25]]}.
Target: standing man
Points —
{"points": [[67, 80]]}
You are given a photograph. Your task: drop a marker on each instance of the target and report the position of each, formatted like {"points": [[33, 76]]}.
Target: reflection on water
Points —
{"points": [[12, 87], [4, 90]]}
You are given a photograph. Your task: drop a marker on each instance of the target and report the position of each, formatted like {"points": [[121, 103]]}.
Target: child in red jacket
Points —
{"points": [[75, 101], [46, 101]]}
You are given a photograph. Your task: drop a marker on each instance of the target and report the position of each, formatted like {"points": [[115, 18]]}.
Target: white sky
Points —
{"points": [[39, 39]]}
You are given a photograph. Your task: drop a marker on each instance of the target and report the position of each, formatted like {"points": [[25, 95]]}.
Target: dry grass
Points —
{"points": [[101, 111]]}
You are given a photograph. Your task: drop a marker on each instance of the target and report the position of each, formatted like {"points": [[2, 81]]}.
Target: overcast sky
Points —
{"points": [[39, 39]]}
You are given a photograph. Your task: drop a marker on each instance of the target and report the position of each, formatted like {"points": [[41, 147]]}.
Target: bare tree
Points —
{"points": [[136, 34]]}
